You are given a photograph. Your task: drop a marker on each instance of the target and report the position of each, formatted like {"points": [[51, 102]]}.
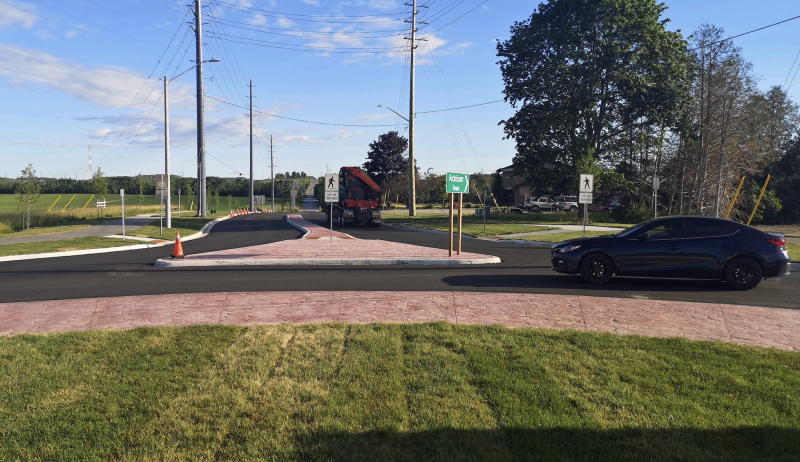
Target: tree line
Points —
{"points": [[603, 87]]}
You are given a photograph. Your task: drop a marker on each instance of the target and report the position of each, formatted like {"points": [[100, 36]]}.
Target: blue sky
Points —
{"points": [[76, 73]]}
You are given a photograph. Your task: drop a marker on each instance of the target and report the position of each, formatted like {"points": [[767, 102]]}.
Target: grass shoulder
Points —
{"points": [[63, 245], [185, 225], [393, 392], [793, 250], [492, 229], [558, 237]]}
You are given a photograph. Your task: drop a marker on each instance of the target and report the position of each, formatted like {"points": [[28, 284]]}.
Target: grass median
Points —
{"points": [[558, 237], [492, 229], [392, 392], [63, 245], [186, 226], [52, 229]]}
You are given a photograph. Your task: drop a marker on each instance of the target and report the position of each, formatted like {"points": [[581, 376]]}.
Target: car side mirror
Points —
{"points": [[643, 237]]}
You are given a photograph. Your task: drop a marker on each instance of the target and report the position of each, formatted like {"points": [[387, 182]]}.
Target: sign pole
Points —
{"points": [[161, 214], [460, 209], [122, 196], [451, 226], [484, 212], [584, 219]]}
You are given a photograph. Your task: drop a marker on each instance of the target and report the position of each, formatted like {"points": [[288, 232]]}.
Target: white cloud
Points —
{"points": [[43, 34], [245, 3], [104, 86], [258, 19], [311, 2], [70, 34], [458, 49], [283, 22], [10, 15]]}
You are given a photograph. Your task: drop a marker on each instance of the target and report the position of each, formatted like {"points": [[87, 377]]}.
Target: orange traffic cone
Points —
{"points": [[178, 252], [231, 213]]}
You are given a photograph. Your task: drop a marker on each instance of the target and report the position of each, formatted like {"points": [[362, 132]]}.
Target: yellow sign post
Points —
{"points": [[734, 198]]}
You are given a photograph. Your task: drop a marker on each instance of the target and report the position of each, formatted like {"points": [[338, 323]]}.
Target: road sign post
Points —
{"points": [[456, 183], [585, 189], [122, 197], [656, 184], [331, 195]]}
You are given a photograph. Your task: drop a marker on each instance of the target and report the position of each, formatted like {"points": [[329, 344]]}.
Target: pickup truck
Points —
{"points": [[542, 203]]}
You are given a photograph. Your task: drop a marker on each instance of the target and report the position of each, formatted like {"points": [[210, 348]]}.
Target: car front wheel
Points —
{"points": [[743, 274], [597, 268]]}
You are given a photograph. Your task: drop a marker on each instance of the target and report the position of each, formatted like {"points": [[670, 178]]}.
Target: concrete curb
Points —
{"points": [[305, 231], [171, 263], [72, 253]]}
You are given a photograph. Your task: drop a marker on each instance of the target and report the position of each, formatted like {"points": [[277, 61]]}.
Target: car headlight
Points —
{"points": [[569, 248]]}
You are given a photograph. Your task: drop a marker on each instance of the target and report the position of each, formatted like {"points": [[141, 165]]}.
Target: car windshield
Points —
{"points": [[633, 229]]}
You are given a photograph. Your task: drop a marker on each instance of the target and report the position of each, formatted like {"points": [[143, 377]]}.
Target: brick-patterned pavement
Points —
{"points": [[768, 327], [317, 248]]}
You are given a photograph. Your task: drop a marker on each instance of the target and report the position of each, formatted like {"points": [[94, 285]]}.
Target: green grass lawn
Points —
{"points": [[492, 229], [49, 230], [794, 250], [62, 245], [186, 225], [393, 392], [558, 237]]}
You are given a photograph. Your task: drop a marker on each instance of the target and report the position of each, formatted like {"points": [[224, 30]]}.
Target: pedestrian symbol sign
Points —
{"points": [[586, 184], [331, 187], [457, 183]]}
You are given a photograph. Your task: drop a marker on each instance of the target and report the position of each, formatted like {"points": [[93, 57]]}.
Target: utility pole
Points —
{"points": [[166, 152], [201, 148], [252, 199], [272, 173], [412, 170], [412, 190]]}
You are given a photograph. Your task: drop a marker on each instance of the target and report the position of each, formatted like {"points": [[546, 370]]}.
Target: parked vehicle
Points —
{"points": [[359, 199], [567, 203], [678, 247], [542, 203], [603, 206]]}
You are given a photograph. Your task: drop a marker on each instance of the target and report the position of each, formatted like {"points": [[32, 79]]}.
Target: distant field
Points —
{"points": [[9, 202]]}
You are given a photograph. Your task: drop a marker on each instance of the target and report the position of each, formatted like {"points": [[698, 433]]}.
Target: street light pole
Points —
{"points": [[166, 139], [166, 152], [252, 198], [201, 148]]}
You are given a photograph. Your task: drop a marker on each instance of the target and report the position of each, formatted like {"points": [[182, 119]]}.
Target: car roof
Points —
{"points": [[701, 219]]}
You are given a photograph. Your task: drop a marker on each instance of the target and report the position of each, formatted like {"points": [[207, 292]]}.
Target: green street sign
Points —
{"points": [[457, 183]]}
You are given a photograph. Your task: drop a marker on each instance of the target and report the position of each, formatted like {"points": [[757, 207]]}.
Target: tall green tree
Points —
{"points": [[99, 184], [28, 190], [385, 157], [583, 74]]}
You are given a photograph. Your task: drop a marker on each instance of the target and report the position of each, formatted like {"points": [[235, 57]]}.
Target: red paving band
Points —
{"points": [[767, 327]]}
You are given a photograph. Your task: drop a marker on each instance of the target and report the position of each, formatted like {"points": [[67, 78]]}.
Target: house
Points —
{"points": [[513, 183]]}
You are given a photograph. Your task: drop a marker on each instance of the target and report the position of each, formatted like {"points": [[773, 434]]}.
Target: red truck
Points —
{"points": [[359, 199]]}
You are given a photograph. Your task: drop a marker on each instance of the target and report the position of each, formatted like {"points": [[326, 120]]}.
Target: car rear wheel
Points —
{"points": [[743, 274], [597, 268], [573, 209]]}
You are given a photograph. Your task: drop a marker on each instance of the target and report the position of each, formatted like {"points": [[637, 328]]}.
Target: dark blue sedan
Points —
{"points": [[678, 247]]}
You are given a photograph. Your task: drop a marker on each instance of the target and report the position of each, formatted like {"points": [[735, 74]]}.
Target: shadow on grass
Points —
{"points": [[558, 444]]}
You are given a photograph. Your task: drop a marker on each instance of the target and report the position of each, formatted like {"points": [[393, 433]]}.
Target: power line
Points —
{"points": [[298, 48], [300, 33], [745, 33], [451, 22], [306, 46], [299, 120], [461, 107]]}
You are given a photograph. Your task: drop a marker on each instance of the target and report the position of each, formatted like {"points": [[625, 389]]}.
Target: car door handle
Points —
{"points": [[674, 247]]}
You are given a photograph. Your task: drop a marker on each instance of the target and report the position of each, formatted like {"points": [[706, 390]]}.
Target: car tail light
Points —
{"points": [[779, 241]]}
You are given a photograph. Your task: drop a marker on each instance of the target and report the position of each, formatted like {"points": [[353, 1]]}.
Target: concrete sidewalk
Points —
{"points": [[103, 229], [748, 325]]}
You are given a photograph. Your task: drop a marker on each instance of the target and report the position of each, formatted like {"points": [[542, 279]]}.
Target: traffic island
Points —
{"points": [[319, 247]]}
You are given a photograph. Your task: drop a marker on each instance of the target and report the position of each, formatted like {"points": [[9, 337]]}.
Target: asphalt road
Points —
{"points": [[524, 268]]}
